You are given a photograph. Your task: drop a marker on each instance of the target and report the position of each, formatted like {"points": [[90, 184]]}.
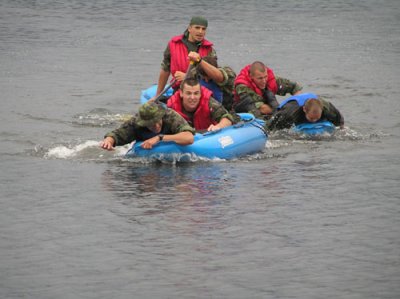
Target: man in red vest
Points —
{"points": [[176, 60], [197, 106], [256, 87]]}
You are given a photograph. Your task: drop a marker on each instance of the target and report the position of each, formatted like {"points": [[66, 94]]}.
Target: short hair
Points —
{"points": [[313, 103], [190, 82], [257, 66]]}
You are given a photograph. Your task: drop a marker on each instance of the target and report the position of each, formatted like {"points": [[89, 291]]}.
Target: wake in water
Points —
{"points": [[100, 117], [279, 144], [345, 134], [88, 150]]}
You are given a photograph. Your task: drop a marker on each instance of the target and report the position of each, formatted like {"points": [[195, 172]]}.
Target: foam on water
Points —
{"points": [[87, 150]]}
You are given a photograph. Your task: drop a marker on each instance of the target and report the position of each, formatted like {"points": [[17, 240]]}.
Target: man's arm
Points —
{"points": [[162, 81], [107, 143], [333, 114], [224, 122], [284, 118], [182, 138], [125, 134], [287, 86], [210, 70], [165, 70]]}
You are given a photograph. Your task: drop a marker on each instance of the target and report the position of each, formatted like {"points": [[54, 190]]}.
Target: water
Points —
{"points": [[305, 219]]}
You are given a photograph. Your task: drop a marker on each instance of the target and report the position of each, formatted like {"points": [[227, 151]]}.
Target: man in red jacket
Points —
{"points": [[197, 106], [256, 87], [176, 54]]}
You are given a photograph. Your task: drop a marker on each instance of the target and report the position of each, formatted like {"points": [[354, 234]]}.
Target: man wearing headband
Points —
{"points": [[175, 60]]}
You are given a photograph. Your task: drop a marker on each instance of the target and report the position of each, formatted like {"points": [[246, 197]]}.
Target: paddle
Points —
{"points": [[157, 99]]}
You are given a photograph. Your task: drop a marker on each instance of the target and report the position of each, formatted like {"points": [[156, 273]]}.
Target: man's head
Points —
{"points": [[259, 75], [190, 94], [197, 29], [150, 115], [313, 110]]}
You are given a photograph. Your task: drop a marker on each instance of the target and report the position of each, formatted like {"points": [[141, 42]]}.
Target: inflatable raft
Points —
{"points": [[150, 92], [236, 141], [312, 129], [317, 128]]}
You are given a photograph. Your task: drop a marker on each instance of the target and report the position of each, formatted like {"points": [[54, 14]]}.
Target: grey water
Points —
{"points": [[307, 218]]}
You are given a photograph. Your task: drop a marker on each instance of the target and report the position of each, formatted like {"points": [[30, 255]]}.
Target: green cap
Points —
{"points": [[149, 114], [199, 21]]}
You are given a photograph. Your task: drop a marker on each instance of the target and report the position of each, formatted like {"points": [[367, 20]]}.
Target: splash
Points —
{"points": [[88, 150]]}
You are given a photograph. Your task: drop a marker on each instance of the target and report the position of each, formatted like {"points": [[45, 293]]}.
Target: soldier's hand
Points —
{"points": [[149, 143], [194, 56], [213, 128], [179, 76], [107, 143]]}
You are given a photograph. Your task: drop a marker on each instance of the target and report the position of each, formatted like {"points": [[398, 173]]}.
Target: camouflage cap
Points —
{"points": [[199, 21], [149, 114]]}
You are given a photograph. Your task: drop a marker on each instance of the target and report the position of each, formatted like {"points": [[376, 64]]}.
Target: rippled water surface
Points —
{"points": [[307, 218]]}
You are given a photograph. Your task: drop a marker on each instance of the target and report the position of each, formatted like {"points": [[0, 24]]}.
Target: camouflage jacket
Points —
{"points": [[192, 47], [292, 114], [225, 86], [229, 79], [284, 86], [172, 123]]}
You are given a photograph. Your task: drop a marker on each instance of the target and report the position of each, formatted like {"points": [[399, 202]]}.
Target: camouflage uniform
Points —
{"points": [[172, 123], [192, 47], [284, 86], [227, 86], [292, 114]]}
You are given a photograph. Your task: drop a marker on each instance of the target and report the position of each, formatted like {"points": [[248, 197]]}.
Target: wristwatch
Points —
{"points": [[161, 137]]}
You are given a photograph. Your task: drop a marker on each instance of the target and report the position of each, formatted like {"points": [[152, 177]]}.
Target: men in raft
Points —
{"points": [[152, 124], [197, 106], [220, 80], [256, 87], [304, 108], [175, 60]]}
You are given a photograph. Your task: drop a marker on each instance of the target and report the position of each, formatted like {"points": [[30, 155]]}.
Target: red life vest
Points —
{"points": [[202, 116], [179, 54], [245, 79]]}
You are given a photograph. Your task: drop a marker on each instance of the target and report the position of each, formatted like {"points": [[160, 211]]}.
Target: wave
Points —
{"points": [[100, 117], [88, 150]]}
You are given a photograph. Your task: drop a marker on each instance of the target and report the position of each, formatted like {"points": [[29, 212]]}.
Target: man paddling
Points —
{"points": [[152, 124], [175, 60]]}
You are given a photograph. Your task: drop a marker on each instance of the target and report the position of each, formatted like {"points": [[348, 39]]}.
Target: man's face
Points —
{"points": [[313, 114], [260, 78], [197, 33], [156, 128], [190, 97]]}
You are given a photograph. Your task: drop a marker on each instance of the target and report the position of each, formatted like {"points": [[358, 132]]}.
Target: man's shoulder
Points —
{"points": [[240, 88], [171, 116], [228, 71]]}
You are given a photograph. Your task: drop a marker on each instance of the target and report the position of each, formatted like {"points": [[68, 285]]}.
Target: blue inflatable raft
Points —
{"points": [[150, 92], [239, 140], [317, 128], [312, 129]]}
